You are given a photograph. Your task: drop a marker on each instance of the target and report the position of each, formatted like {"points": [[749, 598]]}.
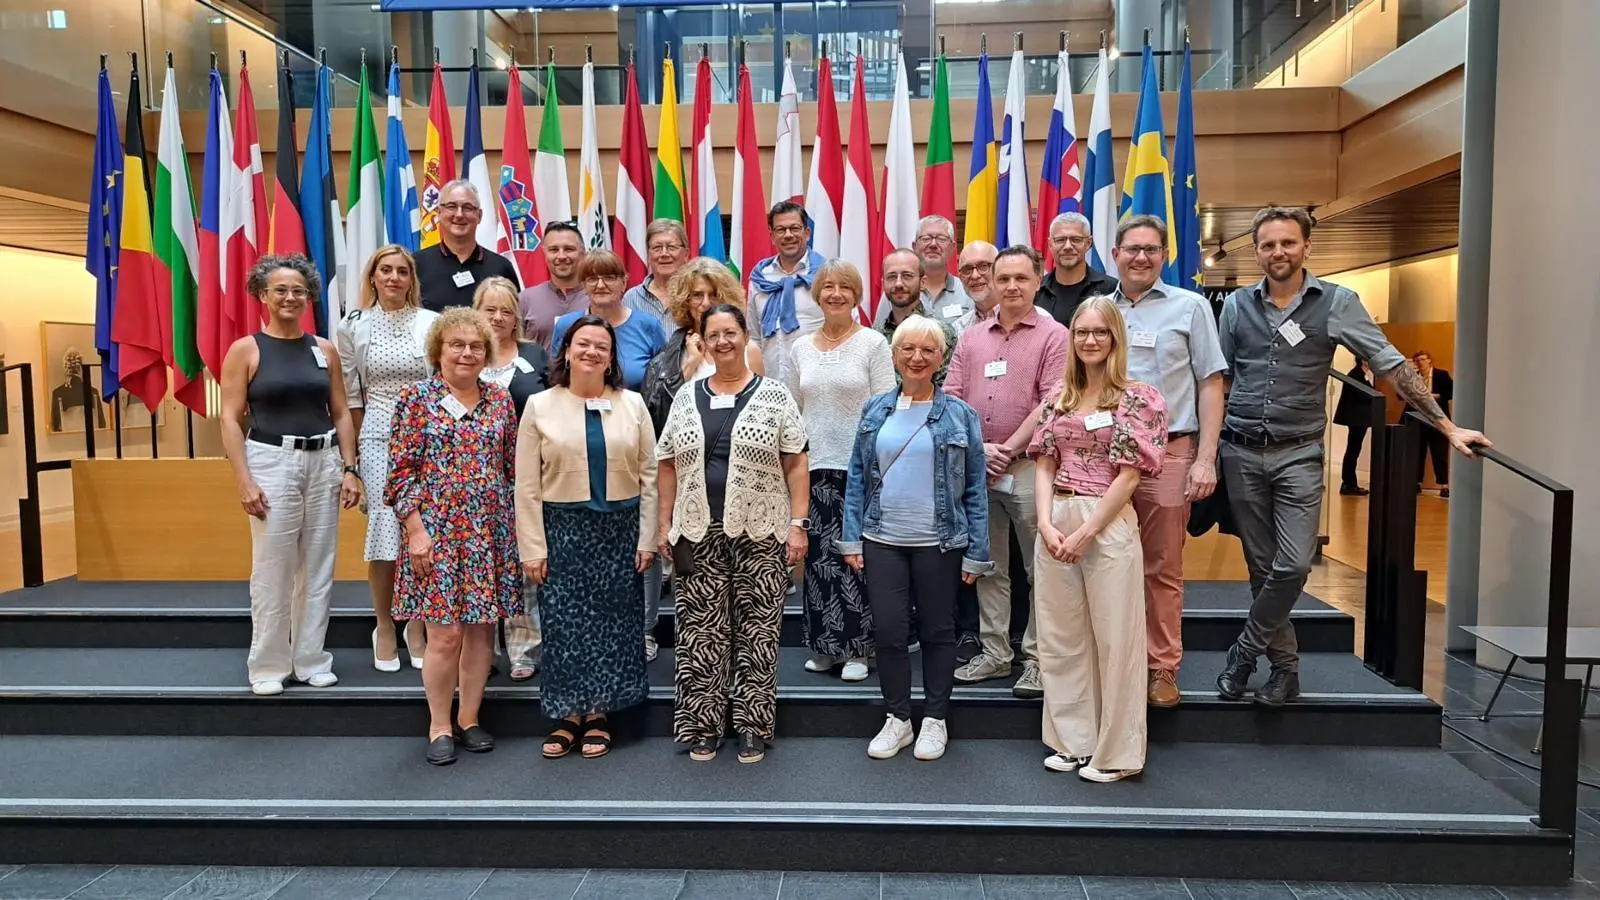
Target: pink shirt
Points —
{"points": [[1035, 357], [1087, 461]]}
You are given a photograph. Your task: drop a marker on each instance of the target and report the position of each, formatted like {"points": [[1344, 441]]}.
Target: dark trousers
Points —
{"points": [[1434, 445], [1352, 455], [900, 579]]}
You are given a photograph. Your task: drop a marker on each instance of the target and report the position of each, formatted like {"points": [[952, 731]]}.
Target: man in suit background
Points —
{"points": [[1434, 443], [1351, 414]]}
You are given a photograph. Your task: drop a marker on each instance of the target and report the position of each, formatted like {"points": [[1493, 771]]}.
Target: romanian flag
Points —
{"points": [[105, 232], [1147, 182], [140, 329], [669, 154], [438, 157], [938, 167], [983, 179], [1185, 188]]}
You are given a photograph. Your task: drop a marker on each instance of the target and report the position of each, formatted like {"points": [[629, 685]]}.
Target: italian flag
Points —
{"points": [[177, 248], [938, 168], [669, 154], [364, 229], [551, 192]]}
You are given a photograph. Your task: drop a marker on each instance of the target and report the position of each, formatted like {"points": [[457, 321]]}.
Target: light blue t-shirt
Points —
{"points": [[638, 341], [905, 500]]}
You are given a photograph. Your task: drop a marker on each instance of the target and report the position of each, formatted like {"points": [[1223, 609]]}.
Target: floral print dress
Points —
{"points": [[458, 472], [1087, 461]]}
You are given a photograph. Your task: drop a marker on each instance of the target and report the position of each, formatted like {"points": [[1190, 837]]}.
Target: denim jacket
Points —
{"points": [[963, 521]]}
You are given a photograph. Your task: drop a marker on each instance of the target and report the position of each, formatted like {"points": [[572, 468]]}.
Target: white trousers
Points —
{"points": [[291, 573], [1092, 641]]}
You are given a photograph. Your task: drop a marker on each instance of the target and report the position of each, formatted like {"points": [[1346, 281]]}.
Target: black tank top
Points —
{"points": [[289, 394]]}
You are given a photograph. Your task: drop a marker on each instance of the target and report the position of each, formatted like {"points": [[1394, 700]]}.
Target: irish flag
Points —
{"points": [[752, 242], [550, 188], [669, 154], [364, 228], [706, 238], [177, 248]]}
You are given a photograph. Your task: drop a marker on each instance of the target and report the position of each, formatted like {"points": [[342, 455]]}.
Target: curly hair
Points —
{"points": [[723, 285], [369, 290], [256, 282], [448, 321]]}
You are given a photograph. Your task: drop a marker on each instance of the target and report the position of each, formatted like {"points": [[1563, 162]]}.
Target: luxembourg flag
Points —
{"points": [[1099, 184], [706, 206], [1060, 179], [1013, 225]]}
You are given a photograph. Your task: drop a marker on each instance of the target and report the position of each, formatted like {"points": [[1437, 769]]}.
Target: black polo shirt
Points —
{"points": [[446, 281], [1059, 300]]}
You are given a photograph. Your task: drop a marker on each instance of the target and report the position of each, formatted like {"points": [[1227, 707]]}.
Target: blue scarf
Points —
{"points": [[779, 310]]}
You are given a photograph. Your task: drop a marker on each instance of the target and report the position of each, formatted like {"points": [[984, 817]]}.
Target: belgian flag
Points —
{"points": [[287, 233], [138, 329]]}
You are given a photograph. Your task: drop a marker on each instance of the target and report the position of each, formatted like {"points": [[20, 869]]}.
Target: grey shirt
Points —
{"points": [[1279, 385], [950, 303], [641, 299], [1172, 345]]}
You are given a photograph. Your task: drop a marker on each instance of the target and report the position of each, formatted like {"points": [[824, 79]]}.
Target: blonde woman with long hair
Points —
{"points": [[382, 348], [1102, 433]]}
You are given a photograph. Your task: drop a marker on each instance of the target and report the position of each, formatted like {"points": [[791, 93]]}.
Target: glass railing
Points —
{"points": [[1333, 40]]}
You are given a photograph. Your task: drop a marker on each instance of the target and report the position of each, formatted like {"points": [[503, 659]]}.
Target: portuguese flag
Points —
{"points": [[938, 171]]}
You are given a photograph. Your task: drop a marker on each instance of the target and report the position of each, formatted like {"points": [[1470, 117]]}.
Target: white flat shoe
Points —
{"points": [[820, 662], [1106, 776], [321, 679], [854, 670], [378, 662], [267, 688]]}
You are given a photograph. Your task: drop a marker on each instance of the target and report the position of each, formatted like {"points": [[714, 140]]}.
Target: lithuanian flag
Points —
{"points": [[669, 152]]}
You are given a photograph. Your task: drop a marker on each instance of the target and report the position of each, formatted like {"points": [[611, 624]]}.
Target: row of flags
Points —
{"points": [[171, 262]]}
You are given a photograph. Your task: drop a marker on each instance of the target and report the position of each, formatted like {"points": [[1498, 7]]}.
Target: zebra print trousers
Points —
{"points": [[729, 612]]}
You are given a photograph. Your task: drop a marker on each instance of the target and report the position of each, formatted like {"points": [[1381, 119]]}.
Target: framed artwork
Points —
{"points": [[64, 347]]}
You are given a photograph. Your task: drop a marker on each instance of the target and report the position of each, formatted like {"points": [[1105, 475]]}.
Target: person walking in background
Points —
{"points": [[1436, 446], [1092, 446], [452, 444], [916, 512], [294, 470], [639, 335], [586, 518], [1352, 414], [734, 494], [832, 375], [523, 368], [382, 347]]}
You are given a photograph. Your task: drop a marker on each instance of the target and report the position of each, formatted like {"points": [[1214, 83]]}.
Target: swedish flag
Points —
{"points": [[1147, 184], [1186, 188]]}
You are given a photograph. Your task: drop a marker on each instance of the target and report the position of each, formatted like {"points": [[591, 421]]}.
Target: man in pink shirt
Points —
{"points": [[1004, 367]]}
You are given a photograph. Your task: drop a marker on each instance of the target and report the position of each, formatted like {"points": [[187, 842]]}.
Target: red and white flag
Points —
{"points": [[858, 228], [635, 187], [825, 189], [244, 220], [788, 178], [521, 231], [900, 216], [752, 241]]}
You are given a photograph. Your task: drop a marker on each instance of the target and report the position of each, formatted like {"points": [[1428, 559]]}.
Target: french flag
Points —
{"points": [[1060, 178]]}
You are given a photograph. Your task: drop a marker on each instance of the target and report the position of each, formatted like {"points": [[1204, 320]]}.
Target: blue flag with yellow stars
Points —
{"points": [[1186, 188]]}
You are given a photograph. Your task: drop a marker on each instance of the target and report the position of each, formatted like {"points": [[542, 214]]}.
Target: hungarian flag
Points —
{"points": [[105, 232], [635, 186], [1060, 177], [520, 228], [401, 215], [438, 158], [938, 167], [825, 189], [476, 164], [858, 228], [899, 228], [288, 230], [244, 222], [550, 186], [141, 328], [591, 183], [788, 178], [177, 249], [707, 208], [752, 241], [364, 226], [669, 155], [319, 204]]}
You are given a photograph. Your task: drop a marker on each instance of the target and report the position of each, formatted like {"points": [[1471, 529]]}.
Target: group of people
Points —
{"points": [[552, 460]]}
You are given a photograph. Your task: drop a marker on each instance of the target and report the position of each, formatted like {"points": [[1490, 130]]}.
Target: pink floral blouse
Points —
{"points": [[1088, 461]]}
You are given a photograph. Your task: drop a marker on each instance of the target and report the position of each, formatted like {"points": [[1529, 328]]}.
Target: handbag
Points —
{"points": [[682, 557]]}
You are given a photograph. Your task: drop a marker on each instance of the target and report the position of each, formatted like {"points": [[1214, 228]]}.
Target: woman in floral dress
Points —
{"points": [[452, 446]]}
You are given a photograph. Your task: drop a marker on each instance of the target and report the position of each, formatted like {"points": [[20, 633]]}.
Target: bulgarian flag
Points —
{"points": [[669, 155], [438, 157], [635, 188], [177, 248], [707, 207], [141, 329], [938, 168], [550, 187], [364, 228], [752, 241]]}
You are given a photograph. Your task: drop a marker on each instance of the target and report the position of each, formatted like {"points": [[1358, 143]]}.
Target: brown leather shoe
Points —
{"points": [[1163, 691]]}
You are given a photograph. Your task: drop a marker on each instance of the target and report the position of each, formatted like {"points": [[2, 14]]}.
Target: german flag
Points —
{"points": [[287, 233], [138, 329]]}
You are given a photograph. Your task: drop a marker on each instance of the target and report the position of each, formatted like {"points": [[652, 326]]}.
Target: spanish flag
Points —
{"points": [[983, 182], [1147, 184], [141, 327]]}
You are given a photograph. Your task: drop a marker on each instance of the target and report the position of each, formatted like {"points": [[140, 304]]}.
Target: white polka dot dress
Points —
{"points": [[394, 361]]}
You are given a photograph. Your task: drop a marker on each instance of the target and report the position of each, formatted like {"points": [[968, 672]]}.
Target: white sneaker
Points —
{"points": [[931, 740], [1060, 762], [651, 650], [322, 679], [821, 662], [854, 670], [895, 736], [267, 688], [1106, 776]]}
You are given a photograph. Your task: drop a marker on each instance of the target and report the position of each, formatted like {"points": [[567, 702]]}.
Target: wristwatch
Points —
{"points": [[352, 470], [804, 524]]}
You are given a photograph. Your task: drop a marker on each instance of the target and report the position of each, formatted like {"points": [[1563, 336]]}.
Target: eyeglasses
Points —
{"points": [[297, 293], [976, 268], [462, 347], [596, 279], [1143, 250], [937, 239], [1070, 239], [665, 248], [789, 230], [1100, 335], [465, 209]]}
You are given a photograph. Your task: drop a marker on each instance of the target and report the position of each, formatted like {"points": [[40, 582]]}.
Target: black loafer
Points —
{"points": [[475, 739], [442, 750], [1281, 687]]}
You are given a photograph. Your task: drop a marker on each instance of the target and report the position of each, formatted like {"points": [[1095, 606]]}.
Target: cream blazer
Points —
{"points": [[553, 462]]}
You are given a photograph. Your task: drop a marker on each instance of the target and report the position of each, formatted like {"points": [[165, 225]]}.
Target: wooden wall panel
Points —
{"points": [[1414, 132]]}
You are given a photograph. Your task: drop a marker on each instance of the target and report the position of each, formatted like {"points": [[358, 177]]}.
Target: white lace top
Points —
{"points": [[757, 500], [832, 387]]}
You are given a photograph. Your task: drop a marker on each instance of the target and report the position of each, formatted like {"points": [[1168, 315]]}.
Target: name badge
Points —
{"points": [[319, 356], [599, 404], [903, 403], [1142, 338], [723, 401], [995, 369], [454, 407], [462, 279], [830, 357], [1097, 421], [522, 365], [951, 311], [1291, 332], [1004, 484]]}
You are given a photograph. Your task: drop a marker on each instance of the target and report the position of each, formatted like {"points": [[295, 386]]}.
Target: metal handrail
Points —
{"points": [[1379, 643], [28, 522]]}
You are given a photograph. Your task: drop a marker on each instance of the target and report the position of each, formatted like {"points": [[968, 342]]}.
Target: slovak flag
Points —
{"points": [[1060, 178]]}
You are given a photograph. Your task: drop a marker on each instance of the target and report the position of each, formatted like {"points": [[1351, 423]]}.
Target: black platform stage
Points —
{"points": [[132, 737]]}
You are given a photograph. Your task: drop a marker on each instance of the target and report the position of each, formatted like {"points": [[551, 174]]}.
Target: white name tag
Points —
{"points": [[462, 279], [599, 404], [995, 369], [903, 403], [1142, 338], [830, 357], [1004, 484], [1291, 332], [454, 407], [722, 401], [1097, 421], [951, 311], [522, 365], [319, 356]]}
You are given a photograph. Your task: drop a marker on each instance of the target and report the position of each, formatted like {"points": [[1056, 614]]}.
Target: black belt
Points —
{"points": [[1265, 442], [294, 442]]}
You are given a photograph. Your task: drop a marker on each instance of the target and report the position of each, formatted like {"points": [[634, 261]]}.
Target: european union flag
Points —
{"points": [[1147, 186], [105, 233], [1186, 188]]}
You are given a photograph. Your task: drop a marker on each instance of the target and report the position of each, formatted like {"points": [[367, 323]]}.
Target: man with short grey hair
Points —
{"points": [[1071, 281], [943, 295], [1278, 337], [449, 274]]}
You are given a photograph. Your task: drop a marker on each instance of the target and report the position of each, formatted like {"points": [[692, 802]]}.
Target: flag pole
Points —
{"points": [[941, 44], [169, 59], [552, 50], [588, 54], [322, 57], [104, 55], [436, 55], [983, 42], [1063, 42], [788, 50], [243, 61], [630, 54], [741, 52]]}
